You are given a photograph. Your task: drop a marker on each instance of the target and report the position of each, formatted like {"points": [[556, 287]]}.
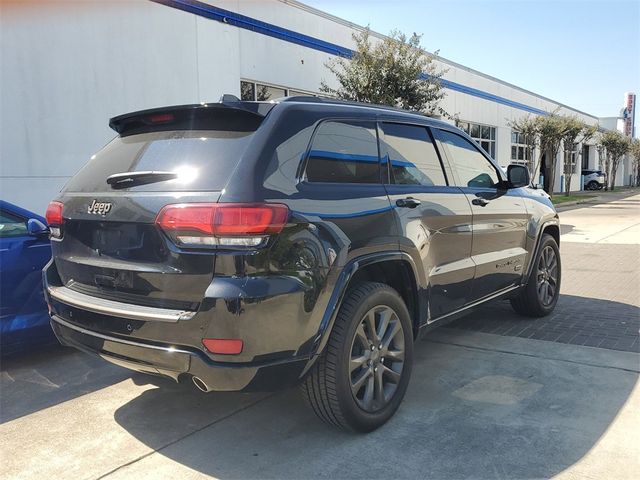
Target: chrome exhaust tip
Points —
{"points": [[200, 385]]}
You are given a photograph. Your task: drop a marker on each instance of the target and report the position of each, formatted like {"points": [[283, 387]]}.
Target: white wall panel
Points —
{"points": [[67, 67]]}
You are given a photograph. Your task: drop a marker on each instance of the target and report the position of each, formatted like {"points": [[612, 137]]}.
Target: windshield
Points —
{"points": [[201, 160]]}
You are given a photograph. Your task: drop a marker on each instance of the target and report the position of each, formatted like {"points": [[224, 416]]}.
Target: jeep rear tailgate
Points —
{"points": [[110, 246]]}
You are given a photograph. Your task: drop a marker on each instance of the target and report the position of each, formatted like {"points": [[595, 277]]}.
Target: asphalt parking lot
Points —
{"points": [[492, 395]]}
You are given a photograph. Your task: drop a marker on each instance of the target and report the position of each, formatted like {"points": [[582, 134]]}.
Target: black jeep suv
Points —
{"points": [[253, 246]]}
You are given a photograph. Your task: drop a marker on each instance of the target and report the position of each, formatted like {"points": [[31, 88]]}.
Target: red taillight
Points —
{"points": [[161, 118], [234, 219], [54, 214], [187, 216], [54, 218], [223, 346], [203, 223]]}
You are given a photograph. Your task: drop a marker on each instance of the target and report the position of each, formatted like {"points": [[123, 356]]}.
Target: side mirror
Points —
{"points": [[518, 176], [36, 228]]}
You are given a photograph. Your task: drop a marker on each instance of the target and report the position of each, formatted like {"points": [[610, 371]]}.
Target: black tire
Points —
{"points": [[540, 296], [593, 185], [328, 386]]}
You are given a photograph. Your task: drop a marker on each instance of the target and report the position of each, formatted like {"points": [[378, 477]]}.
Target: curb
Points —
{"points": [[602, 198], [577, 202]]}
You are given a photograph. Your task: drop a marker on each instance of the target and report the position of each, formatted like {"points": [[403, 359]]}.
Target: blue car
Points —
{"points": [[24, 251]]}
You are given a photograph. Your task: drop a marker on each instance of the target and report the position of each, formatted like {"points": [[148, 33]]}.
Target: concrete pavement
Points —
{"points": [[480, 405], [616, 220], [600, 292]]}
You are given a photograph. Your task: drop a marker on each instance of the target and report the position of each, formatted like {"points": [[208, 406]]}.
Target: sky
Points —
{"points": [[583, 53]]}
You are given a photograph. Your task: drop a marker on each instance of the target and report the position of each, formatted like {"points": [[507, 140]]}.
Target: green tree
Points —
{"points": [[551, 130], [394, 71], [616, 145], [576, 134]]}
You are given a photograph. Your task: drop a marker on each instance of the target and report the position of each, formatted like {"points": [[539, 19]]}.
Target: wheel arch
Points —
{"points": [[552, 227], [399, 275], [395, 269]]}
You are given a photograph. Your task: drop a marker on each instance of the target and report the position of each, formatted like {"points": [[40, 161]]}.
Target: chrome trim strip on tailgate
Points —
{"points": [[117, 309], [91, 333]]}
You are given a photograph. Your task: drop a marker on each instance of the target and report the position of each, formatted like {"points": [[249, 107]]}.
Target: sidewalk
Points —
{"points": [[593, 197]]}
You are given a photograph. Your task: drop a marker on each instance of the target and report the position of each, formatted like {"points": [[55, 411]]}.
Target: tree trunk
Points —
{"points": [[552, 170], [567, 173], [538, 165], [607, 171], [614, 171], [555, 149]]}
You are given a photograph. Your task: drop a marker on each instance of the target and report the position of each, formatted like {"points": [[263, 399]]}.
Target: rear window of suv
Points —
{"points": [[344, 152], [202, 160]]}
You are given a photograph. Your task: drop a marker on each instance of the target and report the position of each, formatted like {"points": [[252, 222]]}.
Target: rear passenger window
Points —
{"points": [[344, 152], [474, 170], [413, 159]]}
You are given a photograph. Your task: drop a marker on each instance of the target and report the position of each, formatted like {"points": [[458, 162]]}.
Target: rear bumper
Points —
{"points": [[180, 364]]}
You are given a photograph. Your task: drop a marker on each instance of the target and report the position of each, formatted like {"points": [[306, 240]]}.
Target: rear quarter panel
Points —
{"points": [[330, 225]]}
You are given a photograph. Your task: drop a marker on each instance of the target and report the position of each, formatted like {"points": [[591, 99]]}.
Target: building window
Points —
{"points": [[574, 155], [520, 153], [266, 92], [247, 91], [298, 93], [261, 92], [484, 135], [585, 157]]}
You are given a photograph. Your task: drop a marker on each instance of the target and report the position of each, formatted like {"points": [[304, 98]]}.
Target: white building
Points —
{"points": [[68, 67]]}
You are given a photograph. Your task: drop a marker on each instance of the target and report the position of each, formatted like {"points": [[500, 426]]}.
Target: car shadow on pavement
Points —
{"points": [[37, 380], [565, 228], [469, 413]]}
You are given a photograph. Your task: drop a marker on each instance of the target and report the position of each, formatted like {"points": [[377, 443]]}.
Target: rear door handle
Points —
{"points": [[480, 202], [407, 202]]}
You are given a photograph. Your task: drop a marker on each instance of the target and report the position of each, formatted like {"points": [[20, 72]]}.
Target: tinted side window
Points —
{"points": [[474, 170], [413, 158], [12, 225], [344, 152]]}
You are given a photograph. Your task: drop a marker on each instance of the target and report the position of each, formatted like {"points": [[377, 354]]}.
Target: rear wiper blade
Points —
{"points": [[126, 179]]}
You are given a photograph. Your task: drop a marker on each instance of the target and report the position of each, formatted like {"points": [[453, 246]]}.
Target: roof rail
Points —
{"points": [[337, 101]]}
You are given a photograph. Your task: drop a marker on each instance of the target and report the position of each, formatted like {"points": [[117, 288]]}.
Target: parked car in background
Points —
{"points": [[251, 246], [24, 251], [594, 179]]}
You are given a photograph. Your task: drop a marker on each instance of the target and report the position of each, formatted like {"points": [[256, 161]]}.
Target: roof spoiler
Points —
{"points": [[229, 114]]}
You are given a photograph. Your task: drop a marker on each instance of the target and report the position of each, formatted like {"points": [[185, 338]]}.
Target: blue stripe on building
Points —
{"points": [[241, 21]]}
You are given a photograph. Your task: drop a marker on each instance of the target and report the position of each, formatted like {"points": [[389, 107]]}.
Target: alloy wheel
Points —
{"points": [[547, 276], [377, 358]]}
